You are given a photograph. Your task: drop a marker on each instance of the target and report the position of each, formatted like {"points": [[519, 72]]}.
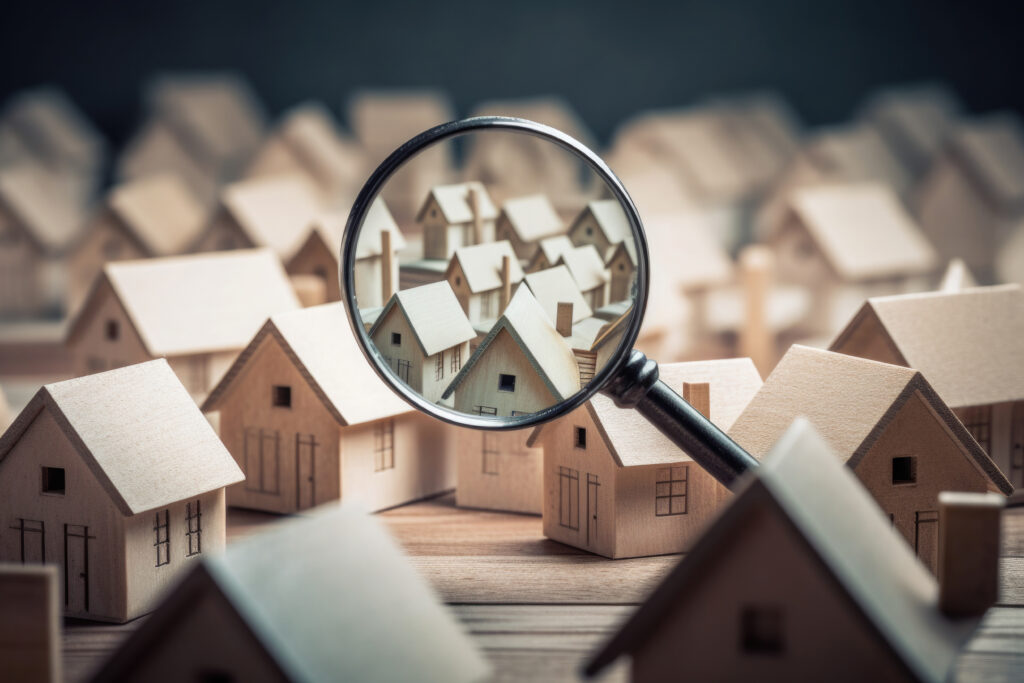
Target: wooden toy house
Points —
{"points": [[30, 623], [310, 422], [621, 266], [525, 221], [602, 223], [587, 268], [800, 578], [548, 252], [153, 216], [310, 599], [424, 335], [498, 471], [616, 486], [203, 127], [972, 197], [197, 311], [886, 423], [455, 216], [967, 345], [523, 365], [482, 277], [117, 479]]}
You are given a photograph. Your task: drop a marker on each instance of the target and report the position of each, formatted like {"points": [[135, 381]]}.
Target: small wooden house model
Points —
{"points": [[602, 223], [455, 216], [118, 480], [523, 365], [424, 335], [621, 266], [309, 599], [587, 268], [30, 623], [616, 486], [482, 277], [967, 345], [525, 221], [800, 578], [197, 311], [310, 422], [548, 252], [886, 423]]}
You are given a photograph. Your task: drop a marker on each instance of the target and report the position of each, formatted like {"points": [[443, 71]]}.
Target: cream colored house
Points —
{"points": [[588, 269], [548, 251], [498, 471], [456, 216], [118, 480], [621, 265], [525, 221], [482, 277], [197, 311], [309, 422], [616, 486], [602, 223]]}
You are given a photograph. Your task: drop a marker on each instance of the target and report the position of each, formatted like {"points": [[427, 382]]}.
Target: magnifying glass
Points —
{"points": [[502, 312]]}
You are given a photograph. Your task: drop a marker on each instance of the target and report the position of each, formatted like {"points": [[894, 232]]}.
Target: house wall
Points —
{"points": [[585, 230], [21, 287], [452, 361], [91, 350], [457, 281], [85, 506], [246, 409], [941, 465], [622, 276], [145, 581], [596, 297], [223, 234], [497, 471], [503, 231], [315, 258], [480, 387], [408, 350], [369, 276], [473, 304], [105, 241], [762, 563]]}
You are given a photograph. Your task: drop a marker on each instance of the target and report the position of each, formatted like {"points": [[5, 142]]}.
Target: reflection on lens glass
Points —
{"points": [[493, 302]]}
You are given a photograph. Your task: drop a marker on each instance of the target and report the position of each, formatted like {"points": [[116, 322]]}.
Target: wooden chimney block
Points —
{"points": [[555, 286], [698, 395], [757, 266], [30, 623], [969, 552]]}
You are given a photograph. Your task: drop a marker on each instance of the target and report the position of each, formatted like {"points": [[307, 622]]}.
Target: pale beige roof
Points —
{"points": [[273, 211], [57, 131], [611, 219], [310, 130], [321, 344], [553, 247], [160, 211], [547, 351], [532, 218], [914, 120], [586, 266], [383, 119], [554, 286], [992, 152], [684, 249], [863, 231], [378, 219], [50, 219], [199, 303], [139, 432], [434, 314], [856, 153], [980, 359], [453, 201], [481, 264]]}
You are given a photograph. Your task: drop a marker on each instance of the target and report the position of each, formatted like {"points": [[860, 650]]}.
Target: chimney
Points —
{"points": [[563, 319], [473, 199], [506, 282], [756, 341], [386, 255], [969, 525], [698, 395]]}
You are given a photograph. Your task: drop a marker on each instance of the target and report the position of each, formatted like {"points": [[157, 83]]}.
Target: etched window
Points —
{"points": [[194, 528], [670, 491], [384, 446], [162, 527], [569, 498]]}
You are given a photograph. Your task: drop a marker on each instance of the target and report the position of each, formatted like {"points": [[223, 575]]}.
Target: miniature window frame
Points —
{"points": [[456, 356], [569, 498], [51, 477], [31, 526], [384, 446], [396, 338], [439, 366], [978, 422], [111, 330], [506, 382], [402, 368], [281, 396], [490, 453], [579, 437], [194, 528], [762, 630], [672, 491], [260, 459], [485, 410], [162, 543], [910, 476]]}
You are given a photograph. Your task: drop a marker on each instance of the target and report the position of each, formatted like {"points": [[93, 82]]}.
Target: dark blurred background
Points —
{"points": [[609, 59]]}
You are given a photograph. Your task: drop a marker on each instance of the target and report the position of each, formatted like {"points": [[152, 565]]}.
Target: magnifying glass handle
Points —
{"points": [[636, 385]]}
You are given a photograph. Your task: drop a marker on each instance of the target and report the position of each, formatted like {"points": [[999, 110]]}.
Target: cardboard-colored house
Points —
{"points": [[146, 218], [310, 422], [621, 265], [523, 365], [498, 471], [800, 578], [118, 480], [308, 599], [482, 277], [198, 311], [616, 486], [887, 423], [525, 221], [424, 335], [30, 623], [548, 252], [455, 216], [976, 368], [553, 289], [602, 223], [588, 270]]}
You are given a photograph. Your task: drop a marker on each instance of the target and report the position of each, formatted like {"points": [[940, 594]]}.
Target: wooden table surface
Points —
{"points": [[538, 608]]}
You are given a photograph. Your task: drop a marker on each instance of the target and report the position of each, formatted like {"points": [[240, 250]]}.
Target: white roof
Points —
{"points": [[43, 209], [611, 219], [139, 431], [378, 219], [554, 286], [586, 266], [274, 211], [864, 231], [453, 201], [553, 247], [481, 264], [532, 217], [311, 131], [199, 303], [435, 316], [321, 343], [160, 211]]}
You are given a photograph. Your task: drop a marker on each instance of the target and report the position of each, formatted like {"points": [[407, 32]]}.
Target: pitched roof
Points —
{"points": [[48, 121], [160, 211], [273, 211], [856, 153], [453, 200], [914, 120], [316, 141], [554, 286], [532, 217], [434, 314], [843, 527], [981, 358], [849, 399], [545, 349], [320, 608], [685, 250], [611, 219], [991, 149], [863, 230], [481, 264], [50, 220], [139, 432], [199, 303], [586, 266], [383, 119], [320, 342], [552, 247], [377, 220]]}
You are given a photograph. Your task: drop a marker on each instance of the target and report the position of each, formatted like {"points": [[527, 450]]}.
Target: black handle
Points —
{"points": [[636, 385]]}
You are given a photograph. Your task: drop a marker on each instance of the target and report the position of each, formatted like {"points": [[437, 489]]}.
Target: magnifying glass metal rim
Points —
{"points": [[375, 183]]}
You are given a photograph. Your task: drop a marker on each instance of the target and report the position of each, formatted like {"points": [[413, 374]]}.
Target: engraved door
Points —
{"points": [[593, 486], [76, 567], [1016, 473], [305, 471], [926, 538]]}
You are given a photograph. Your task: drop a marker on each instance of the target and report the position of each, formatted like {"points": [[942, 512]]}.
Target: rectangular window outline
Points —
{"points": [[194, 528], [904, 470], [490, 453], [396, 338], [281, 396], [579, 438], [671, 491], [506, 382], [485, 410], [569, 498], [439, 366], [456, 359], [762, 630], [384, 446], [28, 526], [260, 458], [402, 369], [163, 538], [978, 421], [54, 481]]}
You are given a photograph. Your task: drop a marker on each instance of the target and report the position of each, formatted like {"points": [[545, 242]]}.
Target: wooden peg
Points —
{"points": [[756, 266], [386, 256], [564, 319]]}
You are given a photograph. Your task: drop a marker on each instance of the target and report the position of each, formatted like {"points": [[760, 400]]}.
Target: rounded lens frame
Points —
{"points": [[375, 183]]}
